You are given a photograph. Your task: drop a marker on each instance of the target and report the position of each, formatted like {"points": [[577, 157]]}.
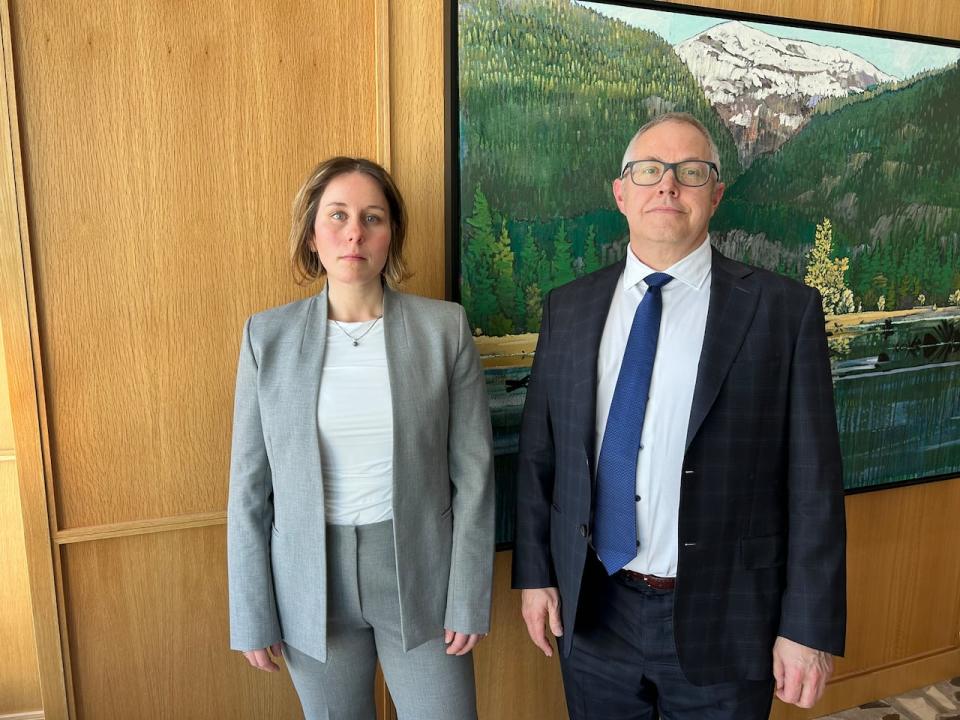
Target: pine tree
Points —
{"points": [[531, 265], [479, 250], [534, 308], [503, 284], [562, 257], [592, 254]]}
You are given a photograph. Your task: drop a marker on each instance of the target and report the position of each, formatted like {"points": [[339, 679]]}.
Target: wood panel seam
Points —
{"points": [[895, 663], [20, 317], [139, 527], [382, 54]]}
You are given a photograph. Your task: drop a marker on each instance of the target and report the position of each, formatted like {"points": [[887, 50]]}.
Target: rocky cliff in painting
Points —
{"points": [[766, 87]]}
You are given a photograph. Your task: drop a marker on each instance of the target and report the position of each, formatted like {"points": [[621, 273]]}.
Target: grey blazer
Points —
{"points": [[443, 503]]}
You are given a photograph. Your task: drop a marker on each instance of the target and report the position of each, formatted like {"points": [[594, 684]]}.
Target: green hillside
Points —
{"points": [[886, 171], [550, 95], [829, 105]]}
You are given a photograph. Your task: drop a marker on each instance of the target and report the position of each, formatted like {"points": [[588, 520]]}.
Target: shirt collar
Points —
{"points": [[691, 270]]}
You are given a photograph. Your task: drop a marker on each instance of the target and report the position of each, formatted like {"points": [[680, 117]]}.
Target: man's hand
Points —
{"points": [[459, 643], [261, 660], [800, 672], [539, 606]]}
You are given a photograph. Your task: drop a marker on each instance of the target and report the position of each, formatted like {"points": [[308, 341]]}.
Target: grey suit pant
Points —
{"points": [[363, 625]]}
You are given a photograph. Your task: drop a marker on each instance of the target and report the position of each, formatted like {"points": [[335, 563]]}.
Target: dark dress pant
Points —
{"points": [[624, 664]]}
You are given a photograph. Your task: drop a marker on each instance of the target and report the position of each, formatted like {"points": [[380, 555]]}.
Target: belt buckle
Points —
{"points": [[658, 583]]}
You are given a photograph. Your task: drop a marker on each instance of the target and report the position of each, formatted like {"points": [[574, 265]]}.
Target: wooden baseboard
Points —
{"points": [[855, 690]]}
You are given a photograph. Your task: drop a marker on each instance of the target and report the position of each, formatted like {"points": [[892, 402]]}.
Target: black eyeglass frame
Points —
{"points": [[669, 166]]}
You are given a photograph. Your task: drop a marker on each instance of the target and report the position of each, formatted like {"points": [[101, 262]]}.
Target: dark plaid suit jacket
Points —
{"points": [[762, 531]]}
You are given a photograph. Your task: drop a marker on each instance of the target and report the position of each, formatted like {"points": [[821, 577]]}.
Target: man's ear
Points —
{"points": [[717, 195], [618, 193]]}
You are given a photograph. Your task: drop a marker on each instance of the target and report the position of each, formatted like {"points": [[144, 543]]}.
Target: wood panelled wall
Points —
{"points": [[151, 156], [20, 679]]}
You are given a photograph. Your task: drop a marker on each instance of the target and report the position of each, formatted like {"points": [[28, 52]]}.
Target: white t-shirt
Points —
{"points": [[355, 417]]}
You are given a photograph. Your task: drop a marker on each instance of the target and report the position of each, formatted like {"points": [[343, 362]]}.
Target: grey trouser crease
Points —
{"points": [[363, 625]]}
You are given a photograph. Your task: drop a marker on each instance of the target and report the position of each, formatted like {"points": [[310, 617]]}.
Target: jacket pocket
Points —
{"points": [[763, 552]]}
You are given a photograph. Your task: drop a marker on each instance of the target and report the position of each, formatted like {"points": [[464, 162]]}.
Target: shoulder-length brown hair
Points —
{"points": [[304, 261]]}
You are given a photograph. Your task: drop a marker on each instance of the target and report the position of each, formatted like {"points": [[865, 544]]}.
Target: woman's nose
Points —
{"points": [[355, 231]]}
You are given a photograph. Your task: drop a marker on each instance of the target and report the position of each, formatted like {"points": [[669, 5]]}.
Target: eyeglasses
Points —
{"points": [[692, 173]]}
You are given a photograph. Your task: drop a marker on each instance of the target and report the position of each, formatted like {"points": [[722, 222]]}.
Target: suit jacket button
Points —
{"points": [[583, 531]]}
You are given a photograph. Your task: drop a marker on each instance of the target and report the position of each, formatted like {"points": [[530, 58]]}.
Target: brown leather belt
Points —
{"points": [[652, 581]]}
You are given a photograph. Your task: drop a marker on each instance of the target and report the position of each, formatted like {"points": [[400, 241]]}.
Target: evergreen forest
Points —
{"points": [[550, 94]]}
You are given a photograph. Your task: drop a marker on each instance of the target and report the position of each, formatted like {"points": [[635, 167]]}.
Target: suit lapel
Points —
{"points": [[303, 410], [313, 342], [402, 366], [733, 302], [587, 332]]}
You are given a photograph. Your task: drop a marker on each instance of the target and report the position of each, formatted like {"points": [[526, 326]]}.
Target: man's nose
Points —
{"points": [[668, 183]]}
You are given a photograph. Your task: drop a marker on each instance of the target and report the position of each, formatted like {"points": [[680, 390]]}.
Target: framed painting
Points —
{"points": [[840, 150]]}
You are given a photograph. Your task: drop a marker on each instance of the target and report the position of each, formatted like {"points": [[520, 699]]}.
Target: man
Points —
{"points": [[680, 520]]}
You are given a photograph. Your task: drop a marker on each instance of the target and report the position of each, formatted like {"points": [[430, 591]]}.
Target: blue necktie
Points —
{"points": [[615, 519]]}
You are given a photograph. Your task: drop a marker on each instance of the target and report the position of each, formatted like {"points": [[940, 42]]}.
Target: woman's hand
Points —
{"points": [[459, 643], [262, 659]]}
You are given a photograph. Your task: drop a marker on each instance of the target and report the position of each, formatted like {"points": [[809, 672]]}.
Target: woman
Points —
{"points": [[360, 516]]}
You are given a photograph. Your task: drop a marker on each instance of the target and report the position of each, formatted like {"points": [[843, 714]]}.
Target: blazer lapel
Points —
{"points": [[402, 368], [312, 345], [587, 333], [733, 302], [303, 404]]}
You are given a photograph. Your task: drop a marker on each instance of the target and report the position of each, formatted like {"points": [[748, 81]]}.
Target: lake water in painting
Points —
{"points": [[897, 392], [898, 398]]}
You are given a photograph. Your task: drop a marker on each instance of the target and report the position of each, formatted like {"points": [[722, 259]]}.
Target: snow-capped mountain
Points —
{"points": [[765, 87]]}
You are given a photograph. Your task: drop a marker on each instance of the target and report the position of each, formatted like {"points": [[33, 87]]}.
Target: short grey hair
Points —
{"points": [[680, 117]]}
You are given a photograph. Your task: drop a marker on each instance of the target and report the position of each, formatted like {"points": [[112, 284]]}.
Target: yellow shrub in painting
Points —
{"points": [[826, 274]]}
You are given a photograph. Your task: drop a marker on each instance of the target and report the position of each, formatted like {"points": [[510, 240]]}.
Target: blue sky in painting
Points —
{"points": [[896, 57]]}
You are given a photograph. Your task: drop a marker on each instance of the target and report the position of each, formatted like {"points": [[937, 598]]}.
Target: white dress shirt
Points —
{"points": [[663, 441], [355, 419]]}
